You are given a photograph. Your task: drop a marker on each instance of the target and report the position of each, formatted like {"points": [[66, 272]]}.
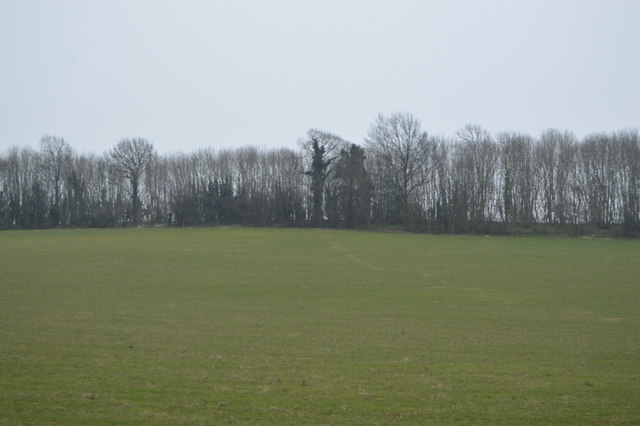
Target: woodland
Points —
{"points": [[400, 177]]}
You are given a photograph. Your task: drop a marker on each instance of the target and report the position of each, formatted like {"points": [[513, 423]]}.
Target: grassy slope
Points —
{"points": [[308, 326]]}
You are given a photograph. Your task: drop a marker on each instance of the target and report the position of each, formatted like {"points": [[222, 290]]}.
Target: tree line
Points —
{"points": [[473, 182]]}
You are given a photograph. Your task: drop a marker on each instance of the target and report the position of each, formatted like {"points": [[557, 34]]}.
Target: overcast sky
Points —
{"points": [[191, 74]]}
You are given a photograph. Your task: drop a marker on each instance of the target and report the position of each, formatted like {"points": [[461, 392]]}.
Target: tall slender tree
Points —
{"points": [[323, 148], [56, 155]]}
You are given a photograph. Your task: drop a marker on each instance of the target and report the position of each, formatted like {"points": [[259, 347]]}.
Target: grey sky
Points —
{"points": [[190, 74]]}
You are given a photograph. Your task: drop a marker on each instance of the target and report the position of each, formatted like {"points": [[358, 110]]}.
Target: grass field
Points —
{"points": [[254, 326]]}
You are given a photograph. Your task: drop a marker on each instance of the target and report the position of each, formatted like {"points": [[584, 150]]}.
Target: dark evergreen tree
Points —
{"points": [[324, 148], [354, 188]]}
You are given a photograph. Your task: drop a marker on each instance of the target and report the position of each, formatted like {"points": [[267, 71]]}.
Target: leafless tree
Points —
{"points": [[629, 179], [131, 157], [478, 154], [518, 178], [398, 150], [554, 156], [599, 161], [441, 184], [56, 156]]}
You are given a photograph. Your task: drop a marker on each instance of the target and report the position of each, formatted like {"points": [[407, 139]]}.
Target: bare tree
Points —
{"points": [[599, 154], [288, 186], [518, 181], [440, 192], [81, 193], [399, 150], [480, 156], [629, 171], [56, 159], [131, 158], [554, 159]]}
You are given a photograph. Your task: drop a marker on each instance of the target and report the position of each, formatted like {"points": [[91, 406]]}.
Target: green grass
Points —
{"points": [[254, 326]]}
